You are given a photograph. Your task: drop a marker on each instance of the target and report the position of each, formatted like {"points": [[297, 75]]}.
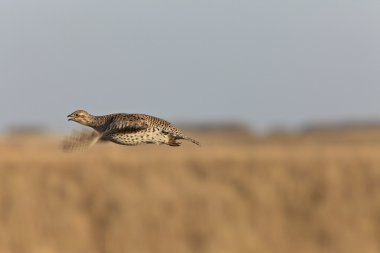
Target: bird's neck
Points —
{"points": [[98, 122]]}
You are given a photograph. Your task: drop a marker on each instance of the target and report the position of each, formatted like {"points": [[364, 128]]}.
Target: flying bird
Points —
{"points": [[124, 129]]}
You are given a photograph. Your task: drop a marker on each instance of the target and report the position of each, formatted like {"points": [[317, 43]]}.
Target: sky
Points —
{"points": [[264, 63]]}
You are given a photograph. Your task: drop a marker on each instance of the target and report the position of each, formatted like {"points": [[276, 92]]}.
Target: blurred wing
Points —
{"points": [[80, 141]]}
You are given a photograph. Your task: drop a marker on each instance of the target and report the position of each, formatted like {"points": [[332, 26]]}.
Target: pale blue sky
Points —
{"points": [[262, 62]]}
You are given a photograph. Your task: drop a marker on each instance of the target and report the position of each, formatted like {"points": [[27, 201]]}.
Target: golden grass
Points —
{"points": [[293, 194]]}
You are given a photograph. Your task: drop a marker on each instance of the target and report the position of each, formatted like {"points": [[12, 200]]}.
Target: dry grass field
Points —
{"points": [[235, 194]]}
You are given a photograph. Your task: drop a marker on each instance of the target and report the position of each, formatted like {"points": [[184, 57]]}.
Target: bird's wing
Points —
{"points": [[80, 141], [127, 123]]}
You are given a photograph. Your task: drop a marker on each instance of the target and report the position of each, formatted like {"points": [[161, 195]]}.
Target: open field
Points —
{"points": [[312, 193]]}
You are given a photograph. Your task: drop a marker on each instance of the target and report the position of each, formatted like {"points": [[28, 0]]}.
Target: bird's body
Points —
{"points": [[149, 135], [128, 129]]}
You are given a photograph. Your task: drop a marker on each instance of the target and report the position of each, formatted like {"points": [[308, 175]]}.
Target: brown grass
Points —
{"points": [[284, 194]]}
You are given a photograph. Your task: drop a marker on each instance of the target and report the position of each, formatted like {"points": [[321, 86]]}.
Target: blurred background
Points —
{"points": [[283, 95]]}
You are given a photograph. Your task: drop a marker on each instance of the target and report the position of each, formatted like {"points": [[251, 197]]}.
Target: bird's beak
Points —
{"points": [[69, 117]]}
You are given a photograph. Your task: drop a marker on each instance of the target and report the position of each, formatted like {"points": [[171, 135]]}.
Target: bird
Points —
{"points": [[125, 129]]}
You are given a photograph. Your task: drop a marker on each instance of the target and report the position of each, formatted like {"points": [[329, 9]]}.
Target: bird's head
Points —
{"points": [[80, 116]]}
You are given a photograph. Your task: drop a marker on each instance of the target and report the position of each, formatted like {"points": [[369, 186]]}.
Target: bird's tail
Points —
{"points": [[173, 140], [192, 140]]}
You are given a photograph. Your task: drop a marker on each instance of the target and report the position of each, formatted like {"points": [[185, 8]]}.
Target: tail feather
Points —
{"points": [[173, 140], [192, 140]]}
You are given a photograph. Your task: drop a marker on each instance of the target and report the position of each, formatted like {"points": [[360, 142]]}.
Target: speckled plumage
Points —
{"points": [[125, 129]]}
